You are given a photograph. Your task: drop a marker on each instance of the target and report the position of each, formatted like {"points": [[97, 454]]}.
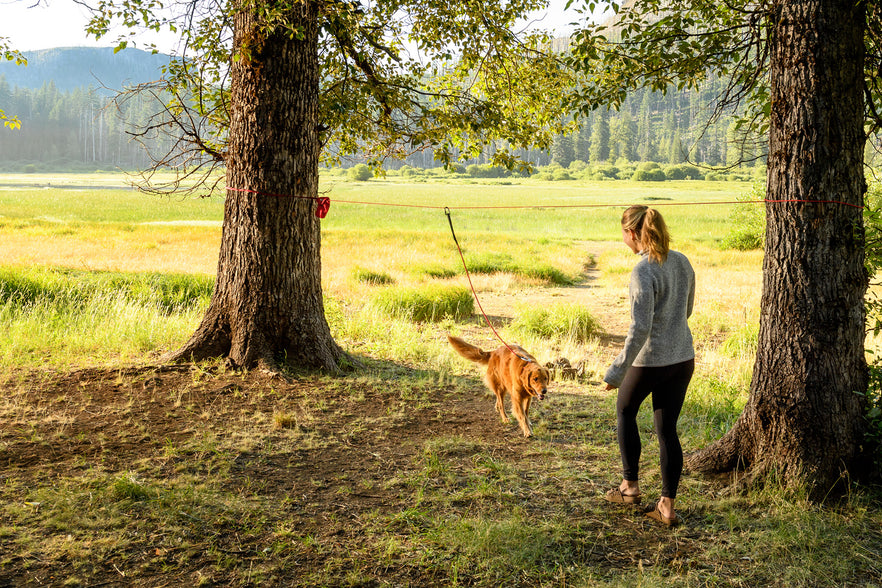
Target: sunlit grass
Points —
{"points": [[570, 322], [576, 210], [363, 247], [64, 318]]}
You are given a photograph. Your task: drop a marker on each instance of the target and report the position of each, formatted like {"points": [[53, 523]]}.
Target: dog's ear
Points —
{"points": [[524, 376]]}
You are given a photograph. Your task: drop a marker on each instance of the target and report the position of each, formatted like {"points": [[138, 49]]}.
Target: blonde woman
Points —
{"points": [[658, 357]]}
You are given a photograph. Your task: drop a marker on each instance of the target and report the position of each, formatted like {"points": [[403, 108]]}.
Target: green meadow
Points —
{"points": [[118, 471]]}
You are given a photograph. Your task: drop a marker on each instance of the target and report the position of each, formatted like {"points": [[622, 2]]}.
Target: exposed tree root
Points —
{"points": [[727, 454], [213, 339]]}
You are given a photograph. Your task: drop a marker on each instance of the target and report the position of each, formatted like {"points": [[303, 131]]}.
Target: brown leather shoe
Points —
{"points": [[615, 495], [656, 515]]}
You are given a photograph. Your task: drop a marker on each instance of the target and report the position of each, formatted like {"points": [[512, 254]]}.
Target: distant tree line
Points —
{"points": [[83, 129], [78, 130], [666, 128]]}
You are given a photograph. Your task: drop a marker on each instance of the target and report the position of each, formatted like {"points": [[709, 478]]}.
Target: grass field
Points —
{"points": [[114, 471]]}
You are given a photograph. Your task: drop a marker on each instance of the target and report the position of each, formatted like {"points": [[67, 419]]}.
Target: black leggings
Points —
{"points": [[668, 387]]}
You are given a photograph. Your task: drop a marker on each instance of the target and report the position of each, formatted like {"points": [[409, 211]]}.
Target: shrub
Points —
{"points": [[577, 165], [655, 175], [743, 240], [682, 171], [606, 172], [748, 221], [562, 321], [649, 171], [409, 172], [427, 304], [366, 276], [561, 175], [360, 173]]}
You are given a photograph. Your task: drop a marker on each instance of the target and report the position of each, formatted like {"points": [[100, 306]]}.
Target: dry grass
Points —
{"points": [[125, 248]]}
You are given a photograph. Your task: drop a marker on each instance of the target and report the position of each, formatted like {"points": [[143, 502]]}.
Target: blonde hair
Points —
{"points": [[652, 232]]}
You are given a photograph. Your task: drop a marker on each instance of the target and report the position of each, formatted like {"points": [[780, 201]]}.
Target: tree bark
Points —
{"points": [[803, 420], [267, 302]]}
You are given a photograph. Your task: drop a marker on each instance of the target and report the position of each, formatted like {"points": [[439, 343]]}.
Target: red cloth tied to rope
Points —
{"points": [[322, 205]]}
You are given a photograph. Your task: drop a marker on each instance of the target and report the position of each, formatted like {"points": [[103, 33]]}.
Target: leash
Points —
{"points": [[474, 293]]}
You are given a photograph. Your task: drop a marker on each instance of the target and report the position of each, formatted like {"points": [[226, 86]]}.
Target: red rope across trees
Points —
{"points": [[323, 205]]}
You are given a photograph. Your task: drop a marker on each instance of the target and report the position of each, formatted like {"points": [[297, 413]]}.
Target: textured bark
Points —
{"points": [[267, 302], [803, 419]]}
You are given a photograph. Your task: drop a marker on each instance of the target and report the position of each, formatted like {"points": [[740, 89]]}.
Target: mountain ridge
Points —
{"points": [[70, 68]]}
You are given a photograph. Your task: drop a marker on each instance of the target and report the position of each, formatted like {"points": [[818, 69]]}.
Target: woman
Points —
{"points": [[658, 357]]}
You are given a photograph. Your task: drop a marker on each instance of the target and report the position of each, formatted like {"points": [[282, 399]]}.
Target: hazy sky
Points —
{"points": [[61, 23]]}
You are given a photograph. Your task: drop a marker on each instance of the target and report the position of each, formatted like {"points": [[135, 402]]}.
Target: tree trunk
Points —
{"points": [[803, 421], [267, 302]]}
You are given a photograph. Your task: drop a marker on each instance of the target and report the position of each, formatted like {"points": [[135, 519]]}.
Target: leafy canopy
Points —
{"points": [[397, 76], [662, 44]]}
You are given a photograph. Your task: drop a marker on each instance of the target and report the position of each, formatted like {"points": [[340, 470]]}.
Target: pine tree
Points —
{"points": [[599, 149]]}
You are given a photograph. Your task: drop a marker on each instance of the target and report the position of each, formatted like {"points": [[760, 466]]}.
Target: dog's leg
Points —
{"points": [[498, 389], [518, 406], [500, 408]]}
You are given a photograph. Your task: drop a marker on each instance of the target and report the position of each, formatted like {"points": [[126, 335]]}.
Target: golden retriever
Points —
{"points": [[522, 378]]}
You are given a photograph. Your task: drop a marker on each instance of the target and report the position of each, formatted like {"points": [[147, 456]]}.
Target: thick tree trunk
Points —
{"points": [[267, 303], [803, 419]]}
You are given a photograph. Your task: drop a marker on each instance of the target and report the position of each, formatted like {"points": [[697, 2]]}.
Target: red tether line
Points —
{"points": [[604, 205], [475, 294]]}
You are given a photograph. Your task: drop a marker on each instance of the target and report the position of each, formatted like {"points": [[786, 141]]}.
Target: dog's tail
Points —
{"points": [[469, 351]]}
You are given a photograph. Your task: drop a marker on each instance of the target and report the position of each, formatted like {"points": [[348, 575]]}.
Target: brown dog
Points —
{"points": [[522, 378]]}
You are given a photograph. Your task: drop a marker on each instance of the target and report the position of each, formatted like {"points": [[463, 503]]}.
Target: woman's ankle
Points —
{"points": [[666, 506], [629, 488]]}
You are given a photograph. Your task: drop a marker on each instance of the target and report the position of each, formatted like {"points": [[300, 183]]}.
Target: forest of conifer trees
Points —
{"points": [[84, 130], [79, 130]]}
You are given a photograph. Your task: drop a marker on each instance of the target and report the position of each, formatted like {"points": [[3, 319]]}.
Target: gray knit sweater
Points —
{"points": [[661, 300]]}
